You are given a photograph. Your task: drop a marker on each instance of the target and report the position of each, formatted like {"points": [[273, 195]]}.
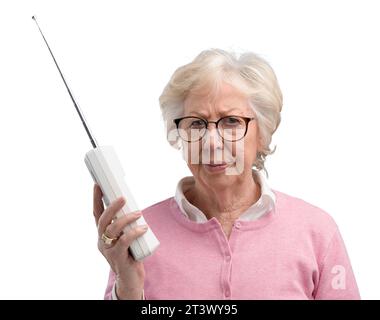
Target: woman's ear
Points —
{"points": [[259, 142]]}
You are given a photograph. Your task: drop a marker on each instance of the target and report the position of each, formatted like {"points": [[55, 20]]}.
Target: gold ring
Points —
{"points": [[107, 240]]}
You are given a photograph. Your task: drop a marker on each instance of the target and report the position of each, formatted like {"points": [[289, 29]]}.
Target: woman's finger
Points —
{"points": [[114, 229], [109, 214], [98, 206], [126, 239]]}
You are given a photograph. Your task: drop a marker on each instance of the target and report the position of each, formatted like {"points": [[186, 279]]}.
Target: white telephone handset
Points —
{"points": [[107, 172]]}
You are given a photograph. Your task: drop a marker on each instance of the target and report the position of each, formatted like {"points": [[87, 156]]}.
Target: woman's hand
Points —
{"points": [[130, 274]]}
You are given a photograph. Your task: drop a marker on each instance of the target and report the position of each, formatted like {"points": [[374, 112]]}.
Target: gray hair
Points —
{"points": [[248, 73]]}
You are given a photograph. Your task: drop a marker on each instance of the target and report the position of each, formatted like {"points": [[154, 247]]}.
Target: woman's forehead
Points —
{"points": [[226, 100]]}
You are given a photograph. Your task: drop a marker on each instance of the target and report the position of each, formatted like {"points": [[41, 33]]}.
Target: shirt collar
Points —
{"points": [[263, 205]]}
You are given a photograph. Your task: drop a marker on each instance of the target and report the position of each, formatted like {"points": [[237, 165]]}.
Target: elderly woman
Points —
{"points": [[226, 234]]}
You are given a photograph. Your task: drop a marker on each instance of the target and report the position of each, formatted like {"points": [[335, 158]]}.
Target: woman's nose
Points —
{"points": [[212, 137]]}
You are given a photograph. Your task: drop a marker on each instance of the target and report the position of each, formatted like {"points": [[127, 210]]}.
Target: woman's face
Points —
{"points": [[235, 158]]}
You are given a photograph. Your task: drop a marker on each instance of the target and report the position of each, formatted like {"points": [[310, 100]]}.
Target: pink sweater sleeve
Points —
{"points": [[336, 278]]}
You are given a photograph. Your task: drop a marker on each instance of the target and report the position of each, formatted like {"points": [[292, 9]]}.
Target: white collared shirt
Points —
{"points": [[263, 205]]}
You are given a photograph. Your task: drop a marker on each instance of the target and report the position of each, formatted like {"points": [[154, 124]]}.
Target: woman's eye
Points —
{"points": [[231, 120], [196, 124]]}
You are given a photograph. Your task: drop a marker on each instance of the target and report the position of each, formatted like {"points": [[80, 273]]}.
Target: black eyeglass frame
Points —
{"points": [[206, 122]]}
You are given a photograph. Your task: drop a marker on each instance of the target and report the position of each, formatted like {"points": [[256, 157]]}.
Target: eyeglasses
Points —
{"points": [[230, 128]]}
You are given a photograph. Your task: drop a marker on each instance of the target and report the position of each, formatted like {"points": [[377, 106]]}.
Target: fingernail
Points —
{"points": [[138, 214], [144, 227]]}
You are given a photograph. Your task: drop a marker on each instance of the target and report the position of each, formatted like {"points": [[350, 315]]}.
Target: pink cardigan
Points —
{"points": [[293, 252]]}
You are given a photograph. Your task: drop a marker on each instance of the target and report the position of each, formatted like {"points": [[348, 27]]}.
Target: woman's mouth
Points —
{"points": [[216, 167]]}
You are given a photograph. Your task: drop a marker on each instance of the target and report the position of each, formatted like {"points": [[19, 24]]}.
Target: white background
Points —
{"points": [[117, 56]]}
